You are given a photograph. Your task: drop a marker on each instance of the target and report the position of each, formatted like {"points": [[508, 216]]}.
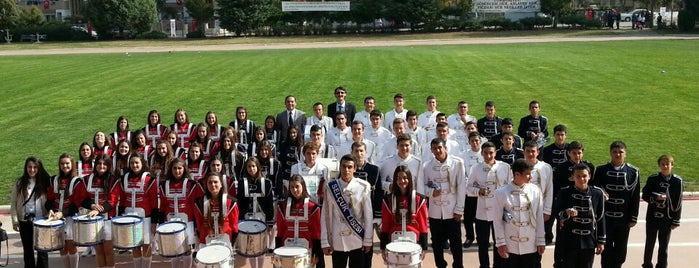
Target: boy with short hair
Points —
{"points": [[533, 126], [519, 233], [490, 124], [542, 176], [472, 156], [341, 134], [365, 116], [621, 181], [318, 118], [458, 121], [555, 153], [398, 111], [580, 211], [414, 130], [401, 157], [663, 193], [507, 125], [507, 152], [379, 135], [428, 119]]}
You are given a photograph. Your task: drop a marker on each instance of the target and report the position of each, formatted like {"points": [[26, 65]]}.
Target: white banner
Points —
{"points": [[506, 6], [316, 6]]}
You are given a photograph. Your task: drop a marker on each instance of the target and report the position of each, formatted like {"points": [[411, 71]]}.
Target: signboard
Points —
{"points": [[288, 6], [506, 5]]}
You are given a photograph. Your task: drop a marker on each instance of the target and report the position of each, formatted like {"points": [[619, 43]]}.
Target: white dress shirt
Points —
{"points": [[492, 178], [449, 176], [524, 229]]}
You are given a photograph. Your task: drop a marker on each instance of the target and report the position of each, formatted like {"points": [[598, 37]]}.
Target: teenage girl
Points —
{"points": [[271, 168], [27, 203], [195, 162], [101, 144], [66, 194], [179, 189], [215, 129], [122, 132], [243, 125], [230, 183], [177, 151], [289, 151], [140, 198], [230, 156], [183, 128], [207, 144], [120, 159], [254, 185], [299, 207], [160, 161], [271, 133], [86, 160], [141, 146], [154, 131], [216, 208], [104, 189]]}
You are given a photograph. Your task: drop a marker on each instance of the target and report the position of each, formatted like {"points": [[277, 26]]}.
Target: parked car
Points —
{"points": [[626, 16], [93, 34]]}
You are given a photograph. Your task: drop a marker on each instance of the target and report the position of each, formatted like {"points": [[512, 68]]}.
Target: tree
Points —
{"points": [[9, 17], [121, 15], [200, 10], [32, 16], [242, 16], [554, 8], [692, 6]]}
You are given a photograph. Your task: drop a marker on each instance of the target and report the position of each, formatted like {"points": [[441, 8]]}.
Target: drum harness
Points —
{"points": [[175, 196], [153, 138], [133, 191], [215, 215], [404, 211], [187, 134], [256, 209], [95, 190], [296, 219], [56, 190]]}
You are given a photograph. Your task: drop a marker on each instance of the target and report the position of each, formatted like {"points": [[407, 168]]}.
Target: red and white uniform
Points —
{"points": [[108, 198], [118, 137], [67, 194], [185, 133], [146, 151], [106, 150], [230, 184], [197, 169], [228, 221], [308, 215], [209, 149], [417, 224], [85, 167], [169, 191], [139, 191], [215, 132], [154, 134], [119, 166]]}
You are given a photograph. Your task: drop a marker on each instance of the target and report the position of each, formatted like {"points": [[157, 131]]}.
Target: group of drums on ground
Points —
{"points": [[314, 186]]}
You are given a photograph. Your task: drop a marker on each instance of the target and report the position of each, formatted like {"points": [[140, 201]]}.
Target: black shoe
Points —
{"points": [[549, 242], [468, 243], [446, 245]]}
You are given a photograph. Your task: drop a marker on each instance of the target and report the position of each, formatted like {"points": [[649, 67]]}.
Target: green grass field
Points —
{"points": [[603, 91]]}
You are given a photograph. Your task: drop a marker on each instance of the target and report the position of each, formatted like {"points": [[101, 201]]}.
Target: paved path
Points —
{"points": [[683, 247]]}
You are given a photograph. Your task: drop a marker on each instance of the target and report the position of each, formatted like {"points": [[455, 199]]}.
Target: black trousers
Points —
{"points": [[443, 230], [548, 227], [470, 207], [614, 254], [484, 230], [531, 260], [26, 234], [661, 230], [355, 257], [577, 258]]}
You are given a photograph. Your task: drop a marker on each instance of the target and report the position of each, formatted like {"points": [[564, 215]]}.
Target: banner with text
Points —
{"points": [[288, 6], [506, 6]]}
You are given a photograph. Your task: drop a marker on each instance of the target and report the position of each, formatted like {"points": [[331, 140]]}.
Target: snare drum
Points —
{"points": [[214, 256], [252, 238], [127, 232], [291, 257], [88, 231], [48, 235], [172, 239], [403, 254]]}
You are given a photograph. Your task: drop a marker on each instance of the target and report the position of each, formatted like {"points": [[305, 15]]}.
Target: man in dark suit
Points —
{"points": [[290, 116], [341, 105]]}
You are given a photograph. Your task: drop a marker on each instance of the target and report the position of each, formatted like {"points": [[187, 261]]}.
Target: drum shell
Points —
{"points": [[291, 257], [214, 256], [403, 254], [88, 231], [172, 243], [252, 238], [48, 237], [127, 232]]}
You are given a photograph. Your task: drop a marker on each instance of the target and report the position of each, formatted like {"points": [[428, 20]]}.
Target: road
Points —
{"points": [[684, 246]]}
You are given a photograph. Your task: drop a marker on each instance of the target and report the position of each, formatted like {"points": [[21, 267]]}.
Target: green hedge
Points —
{"points": [[534, 22], [151, 35], [686, 20], [54, 31], [580, 21]]}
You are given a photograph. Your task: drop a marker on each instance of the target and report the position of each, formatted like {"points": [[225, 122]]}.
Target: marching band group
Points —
{"points": [[306, 186]]}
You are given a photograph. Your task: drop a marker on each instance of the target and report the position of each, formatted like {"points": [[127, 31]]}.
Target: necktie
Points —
{"points": [[342, 108], [291, 119]]}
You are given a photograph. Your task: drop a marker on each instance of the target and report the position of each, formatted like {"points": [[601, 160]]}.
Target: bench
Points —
{"points": [[32, 37]]}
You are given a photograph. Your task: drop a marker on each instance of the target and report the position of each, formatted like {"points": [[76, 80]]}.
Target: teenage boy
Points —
{"points": [[533, 126], [315, 174], [542, 176], [319, 119], [485, 179], [507, 152], [428, 119], [379, 135], [345, 228], [490, 124], [472, 156], [398, 111], [580, 212], [400, 128], [442, 132], [621, 182], [507, 125], [358, 136], [663, 193], [341, 134], [341, 105], [519, 233], [563, 173], [443, 181], [416, 132], [431, 134], [555, 153], [365, 115], [370, 174], [402, 157], [324, 150], [458, 121]]}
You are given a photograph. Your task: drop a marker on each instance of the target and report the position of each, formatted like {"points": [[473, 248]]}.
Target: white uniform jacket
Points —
{"points": [[521, 223], [542, 176], [471, 159], [448, 176], [381, 137], [335, 232], [392, 115], [388, 168], [337, 137], [492, 178]]}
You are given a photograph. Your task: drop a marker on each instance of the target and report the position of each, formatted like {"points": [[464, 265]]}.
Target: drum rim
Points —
{"points": [[228, 258], [171, 232], [139, 220], [417, 249], [285, 247], [259, 232], [58, 223], [77, 218]]}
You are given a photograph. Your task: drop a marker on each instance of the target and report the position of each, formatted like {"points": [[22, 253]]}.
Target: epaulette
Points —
{"points": [[632, 166], [597, 188], [566, 187]]}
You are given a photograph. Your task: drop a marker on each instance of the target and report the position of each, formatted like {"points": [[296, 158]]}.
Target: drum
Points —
{"points": [[88, 231], [48, 235], [172, 239], [403, 254], [291, 257], [252, 238], [214, 256], [127, 232]]}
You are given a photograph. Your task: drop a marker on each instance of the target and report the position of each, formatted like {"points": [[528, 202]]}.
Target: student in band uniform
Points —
{"points": [[403, 196], [27, 203], [122, 131], [294, 208], [104, 189]]}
